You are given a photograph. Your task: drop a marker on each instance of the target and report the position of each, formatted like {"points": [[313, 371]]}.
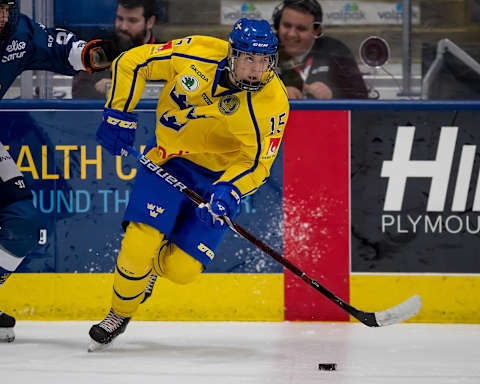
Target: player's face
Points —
{"points": [[296, 32], [4, 11], [251, 67], [131, 25]]}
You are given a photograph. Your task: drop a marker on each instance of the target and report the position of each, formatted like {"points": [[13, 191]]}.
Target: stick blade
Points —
{"points": [[400, 312]]}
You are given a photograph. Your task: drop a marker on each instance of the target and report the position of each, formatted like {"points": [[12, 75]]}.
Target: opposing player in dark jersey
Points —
{"points": [[26, 45]]}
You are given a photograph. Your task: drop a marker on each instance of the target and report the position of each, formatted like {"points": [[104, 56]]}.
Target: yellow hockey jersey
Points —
{"points": [[234, 132]]}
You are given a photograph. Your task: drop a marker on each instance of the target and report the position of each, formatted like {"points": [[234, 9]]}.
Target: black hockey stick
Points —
{"points": [[400, 312]]}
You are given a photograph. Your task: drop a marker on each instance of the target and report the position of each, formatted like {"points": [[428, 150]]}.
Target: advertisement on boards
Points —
{"points": [[415, 196], [82, 192]]}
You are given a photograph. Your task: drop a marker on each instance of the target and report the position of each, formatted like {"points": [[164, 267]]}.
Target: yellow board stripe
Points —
{"points": [[446, 299], [232, 297], [87, 296]]}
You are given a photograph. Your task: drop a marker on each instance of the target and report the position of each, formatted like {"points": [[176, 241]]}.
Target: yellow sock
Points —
{"points": [[140, 246]]}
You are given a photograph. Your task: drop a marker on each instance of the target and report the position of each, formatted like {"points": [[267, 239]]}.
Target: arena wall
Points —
{"points": [[376, 200]]}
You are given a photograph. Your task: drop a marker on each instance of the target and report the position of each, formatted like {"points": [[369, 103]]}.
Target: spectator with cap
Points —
{"points": [[311, 64]]}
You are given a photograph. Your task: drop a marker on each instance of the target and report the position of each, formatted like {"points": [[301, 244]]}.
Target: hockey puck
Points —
{"points": [[327, 366]]}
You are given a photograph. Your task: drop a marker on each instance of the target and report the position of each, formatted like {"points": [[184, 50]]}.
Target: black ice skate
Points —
{"points": [[6, 327], [107, 330], [149, 288]]}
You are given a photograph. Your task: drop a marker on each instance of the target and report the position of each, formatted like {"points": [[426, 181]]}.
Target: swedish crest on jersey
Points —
{"points": [[189, 83], [154, 210], [229, 104]]}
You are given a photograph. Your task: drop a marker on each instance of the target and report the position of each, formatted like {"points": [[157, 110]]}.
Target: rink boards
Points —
{"points": [[377, 201]]}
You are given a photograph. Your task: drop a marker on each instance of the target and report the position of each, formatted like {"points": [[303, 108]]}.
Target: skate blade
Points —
{"points": [[97, 347], [7, 335]]}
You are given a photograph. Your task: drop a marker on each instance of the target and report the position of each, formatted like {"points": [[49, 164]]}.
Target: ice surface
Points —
{"points": [[234, 352]]}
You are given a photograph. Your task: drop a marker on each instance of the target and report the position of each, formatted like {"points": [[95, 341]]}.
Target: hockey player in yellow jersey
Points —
{"points": [[219, 123]]}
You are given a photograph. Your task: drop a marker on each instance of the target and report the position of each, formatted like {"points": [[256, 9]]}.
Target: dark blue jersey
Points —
{"points": [[33, 46]]}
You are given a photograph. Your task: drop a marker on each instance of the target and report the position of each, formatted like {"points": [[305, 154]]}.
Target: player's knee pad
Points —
{"points": [[139, 246], [20, 224], [177, 265]]}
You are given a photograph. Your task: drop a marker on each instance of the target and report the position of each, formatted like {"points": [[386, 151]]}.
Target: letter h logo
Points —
{"points": [[401, 167]]}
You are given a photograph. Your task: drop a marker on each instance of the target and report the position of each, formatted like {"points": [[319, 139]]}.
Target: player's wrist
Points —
{"points": [[120, 115]]}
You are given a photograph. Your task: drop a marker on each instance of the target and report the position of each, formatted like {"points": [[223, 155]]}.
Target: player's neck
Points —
{"points": [[225, 80]]}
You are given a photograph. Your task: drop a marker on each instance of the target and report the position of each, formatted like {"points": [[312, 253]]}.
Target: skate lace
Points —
{"points": [[112, 322], [151, 283]]}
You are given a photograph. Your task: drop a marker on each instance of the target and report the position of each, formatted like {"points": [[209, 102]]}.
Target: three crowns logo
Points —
{"points": [[154, 210]]}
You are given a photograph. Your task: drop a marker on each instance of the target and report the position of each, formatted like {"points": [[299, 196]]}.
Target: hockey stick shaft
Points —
{"points": [[400, 313]]}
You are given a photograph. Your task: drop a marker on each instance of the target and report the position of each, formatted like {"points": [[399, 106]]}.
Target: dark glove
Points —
{"points": [[224, 201], [116, 131], [97, 55]]}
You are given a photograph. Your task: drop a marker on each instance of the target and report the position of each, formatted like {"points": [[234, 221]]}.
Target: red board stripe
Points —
{"points": [[316, 211]]}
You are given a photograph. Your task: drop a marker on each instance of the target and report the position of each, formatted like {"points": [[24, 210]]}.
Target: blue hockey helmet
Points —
{"points": [[13, 15], [252, 37]]}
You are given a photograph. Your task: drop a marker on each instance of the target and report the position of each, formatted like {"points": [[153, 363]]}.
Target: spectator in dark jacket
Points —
{"points": [[311, 64]]}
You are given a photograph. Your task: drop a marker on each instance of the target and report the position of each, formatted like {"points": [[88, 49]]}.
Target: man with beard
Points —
{"points": [[133, 27]]}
